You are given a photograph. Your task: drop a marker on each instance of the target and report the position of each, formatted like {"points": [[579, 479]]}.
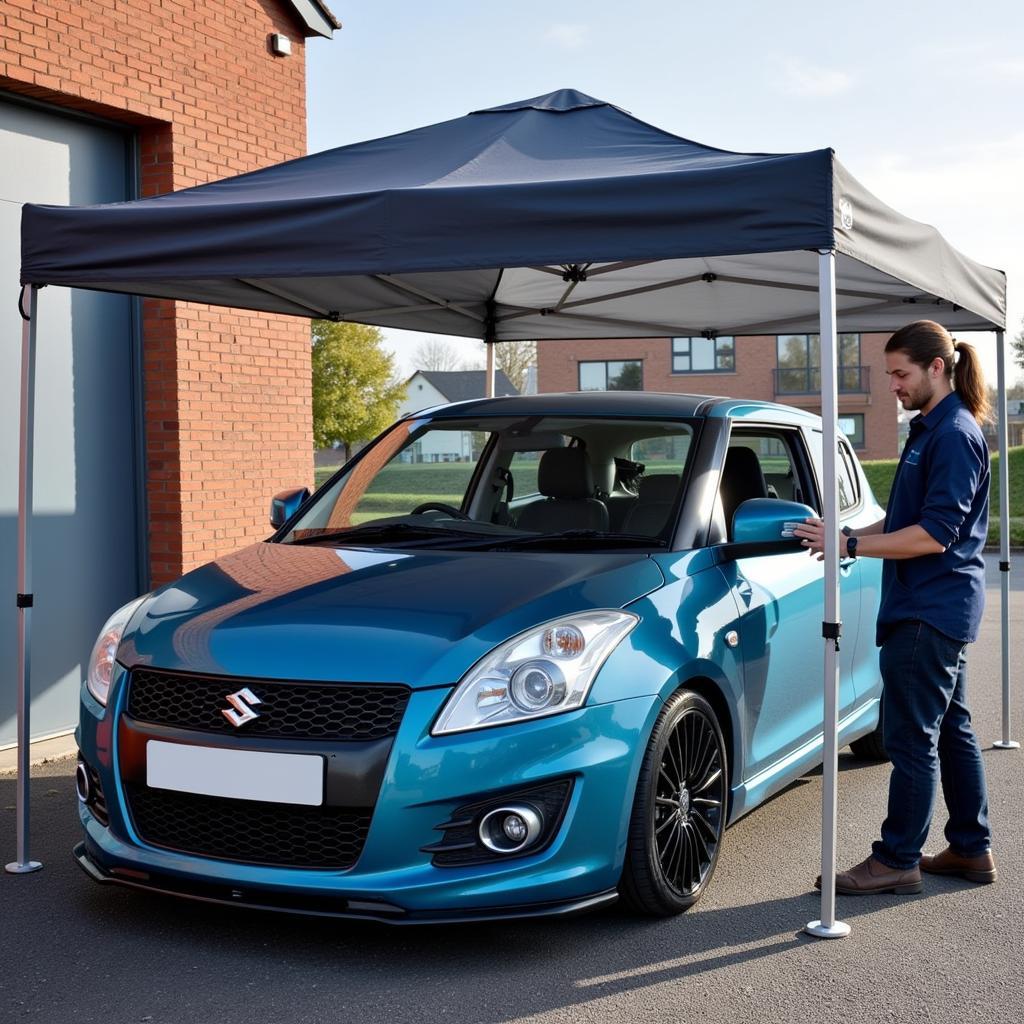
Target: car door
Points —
{"points": [[779, 599]]}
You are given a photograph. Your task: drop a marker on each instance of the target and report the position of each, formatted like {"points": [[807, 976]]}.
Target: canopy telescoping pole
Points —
{"points": [[24, 864], [489, 383], [1006, 743], [827, 927]]}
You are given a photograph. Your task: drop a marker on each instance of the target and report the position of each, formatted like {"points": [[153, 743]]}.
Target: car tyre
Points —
{"points": [[679, 811], [872, 746]]}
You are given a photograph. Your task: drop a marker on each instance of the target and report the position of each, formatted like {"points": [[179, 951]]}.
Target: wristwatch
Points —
{"points": [[851, 542]]}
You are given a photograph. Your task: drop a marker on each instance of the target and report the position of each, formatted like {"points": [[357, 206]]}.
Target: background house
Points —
{"points": [[776, 368], [427, 388], [163, 428]]}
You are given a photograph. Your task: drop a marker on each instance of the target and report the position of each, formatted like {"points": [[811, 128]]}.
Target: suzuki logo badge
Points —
{"points": [[241, 710]]}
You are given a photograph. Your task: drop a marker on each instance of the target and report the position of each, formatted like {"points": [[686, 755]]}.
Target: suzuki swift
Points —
{"points": [[520, 656]]}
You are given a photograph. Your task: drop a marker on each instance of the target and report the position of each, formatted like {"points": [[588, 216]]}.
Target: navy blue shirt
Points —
{"points": [[941, 485]]}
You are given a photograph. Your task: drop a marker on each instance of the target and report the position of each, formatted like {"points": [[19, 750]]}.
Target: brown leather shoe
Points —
{"points": [[871, 877], [975, 869]]}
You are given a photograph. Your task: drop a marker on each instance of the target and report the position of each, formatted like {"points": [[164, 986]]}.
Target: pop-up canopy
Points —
{"points": [[574, 218], [557, 217]]}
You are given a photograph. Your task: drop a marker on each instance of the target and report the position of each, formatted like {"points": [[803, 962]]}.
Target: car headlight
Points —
{"points": [[544, 671], [101, 662]]}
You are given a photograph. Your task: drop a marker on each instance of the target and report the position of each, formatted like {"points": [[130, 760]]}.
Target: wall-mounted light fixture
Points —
{"points": [[280, 45]]}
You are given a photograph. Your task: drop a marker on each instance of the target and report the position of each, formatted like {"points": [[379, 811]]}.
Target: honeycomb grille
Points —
{"points": [[335, 711], [249, 831]]}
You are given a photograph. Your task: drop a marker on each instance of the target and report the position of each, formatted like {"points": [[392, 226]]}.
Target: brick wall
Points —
{"points": [[228, 409], [558, 370]]}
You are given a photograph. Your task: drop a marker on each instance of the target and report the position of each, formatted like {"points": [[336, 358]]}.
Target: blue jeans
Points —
{"points": [[927, 731]]}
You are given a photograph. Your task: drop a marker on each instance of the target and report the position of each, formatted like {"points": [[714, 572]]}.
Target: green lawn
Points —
{"points": [[880, 475]]}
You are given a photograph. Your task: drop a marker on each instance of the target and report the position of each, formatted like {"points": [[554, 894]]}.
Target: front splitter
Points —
{"points": [[324, 905]]}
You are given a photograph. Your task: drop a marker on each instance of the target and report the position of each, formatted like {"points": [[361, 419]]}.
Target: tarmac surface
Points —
{"points": [[73, 951]]}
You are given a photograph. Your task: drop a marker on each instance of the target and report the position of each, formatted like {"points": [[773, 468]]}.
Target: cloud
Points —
{"points": [[798, 78], [1012, 69], [566, 36]]}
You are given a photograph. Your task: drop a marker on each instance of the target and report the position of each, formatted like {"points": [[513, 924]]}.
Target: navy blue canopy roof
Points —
{"points": [[558, 216]]}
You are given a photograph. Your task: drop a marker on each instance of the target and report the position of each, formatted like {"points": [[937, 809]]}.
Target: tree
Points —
{"points": [[355, 394], [434, 354], [1017, 346], [516, 358]]}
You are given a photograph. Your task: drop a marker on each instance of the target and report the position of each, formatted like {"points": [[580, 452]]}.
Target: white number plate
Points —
{"points": [[238, 774]]}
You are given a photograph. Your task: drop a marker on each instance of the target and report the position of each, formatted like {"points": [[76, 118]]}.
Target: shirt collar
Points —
{"points": [[938, 414]]}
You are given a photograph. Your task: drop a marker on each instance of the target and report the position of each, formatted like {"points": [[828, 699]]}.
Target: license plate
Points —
{"points": [[236, 774]]}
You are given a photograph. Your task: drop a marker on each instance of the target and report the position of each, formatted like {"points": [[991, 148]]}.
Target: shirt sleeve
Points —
{"points": [[955, 471]]}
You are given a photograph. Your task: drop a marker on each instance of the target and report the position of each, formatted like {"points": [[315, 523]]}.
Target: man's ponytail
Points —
{"points": [[969, 381]]}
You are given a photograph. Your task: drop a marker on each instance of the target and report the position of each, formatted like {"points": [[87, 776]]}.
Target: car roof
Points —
{"points": [[632, 404]]}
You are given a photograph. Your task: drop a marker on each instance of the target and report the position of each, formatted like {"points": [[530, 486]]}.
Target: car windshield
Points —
{"points": [[501, 483]]}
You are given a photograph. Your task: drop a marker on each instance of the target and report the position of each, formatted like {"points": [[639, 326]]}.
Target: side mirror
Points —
{"points": [[763, 520], [285, 504]]}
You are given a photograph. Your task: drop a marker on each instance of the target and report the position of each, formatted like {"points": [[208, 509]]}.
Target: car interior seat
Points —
{"points": [[655, 500], [565, 479], [742, 479]]}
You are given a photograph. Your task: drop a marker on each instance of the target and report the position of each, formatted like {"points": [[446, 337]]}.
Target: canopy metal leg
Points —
{"points": [[1004, 541], [24, 864], [489, 392], [827, 927]]}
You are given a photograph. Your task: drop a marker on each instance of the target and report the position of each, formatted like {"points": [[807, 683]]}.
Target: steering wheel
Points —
{"points": [[439, 506]]}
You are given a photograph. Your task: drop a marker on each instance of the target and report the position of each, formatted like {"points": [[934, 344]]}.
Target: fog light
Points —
{"points": [[515, 828], [510, 829]]}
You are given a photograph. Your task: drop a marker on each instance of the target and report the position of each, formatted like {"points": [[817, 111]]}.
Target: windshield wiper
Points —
{"points": [[574, 538], [386, 531]]}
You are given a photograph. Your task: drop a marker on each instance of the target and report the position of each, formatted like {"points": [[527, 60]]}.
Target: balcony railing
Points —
{"points": [[806, 380]]}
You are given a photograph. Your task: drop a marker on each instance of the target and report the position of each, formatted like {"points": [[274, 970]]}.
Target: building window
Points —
{"points": [[618, 375], [852, 425], [704, 355], [799, 369]]}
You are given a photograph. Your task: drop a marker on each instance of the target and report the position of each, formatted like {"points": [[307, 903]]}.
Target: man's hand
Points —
{"points": [[812, 535]]}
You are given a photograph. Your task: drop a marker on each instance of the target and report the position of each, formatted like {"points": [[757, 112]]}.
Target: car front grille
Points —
{"points": [[287, 710], [249, 831]]}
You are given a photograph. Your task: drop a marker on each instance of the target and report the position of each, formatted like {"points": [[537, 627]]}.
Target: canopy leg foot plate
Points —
{"points": [[17, 868], [836, 930]]}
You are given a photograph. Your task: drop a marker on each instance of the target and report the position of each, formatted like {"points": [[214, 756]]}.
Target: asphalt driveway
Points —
{"points": [[73, 951]]}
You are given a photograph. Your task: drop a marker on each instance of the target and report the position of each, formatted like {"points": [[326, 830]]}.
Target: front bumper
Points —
{"points": [[330, 905], [425, 781]]}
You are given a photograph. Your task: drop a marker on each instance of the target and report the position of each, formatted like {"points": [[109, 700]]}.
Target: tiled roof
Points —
{"points": [[458, 385]]}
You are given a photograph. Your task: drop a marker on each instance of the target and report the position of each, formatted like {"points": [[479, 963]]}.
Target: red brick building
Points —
{"points": [[227, 402], [783, 368], [163, 428]]}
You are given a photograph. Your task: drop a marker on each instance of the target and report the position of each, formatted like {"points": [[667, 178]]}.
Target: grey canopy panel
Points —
{"points": [[557, 217]]}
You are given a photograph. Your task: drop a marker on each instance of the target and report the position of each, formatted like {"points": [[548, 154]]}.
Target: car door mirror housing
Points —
{"points": [[762, 520], [285, 504]]}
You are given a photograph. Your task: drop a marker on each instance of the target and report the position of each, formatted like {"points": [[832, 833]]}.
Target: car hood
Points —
{"points": [[280, 611]]}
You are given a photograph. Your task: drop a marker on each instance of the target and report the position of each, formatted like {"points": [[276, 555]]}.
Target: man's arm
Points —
{"points": [[872, 542]]}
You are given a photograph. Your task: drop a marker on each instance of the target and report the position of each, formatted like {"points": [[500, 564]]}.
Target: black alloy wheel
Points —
{"points": [[679, 812]]}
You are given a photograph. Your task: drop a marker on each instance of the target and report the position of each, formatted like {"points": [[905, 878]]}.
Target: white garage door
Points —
{"points": [[85, 560]]}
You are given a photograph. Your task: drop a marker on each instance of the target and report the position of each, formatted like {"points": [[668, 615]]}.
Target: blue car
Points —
{"points": [[520, 656]]}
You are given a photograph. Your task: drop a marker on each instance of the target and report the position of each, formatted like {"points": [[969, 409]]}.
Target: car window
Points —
{"points": [[447, 481], [846, 477]]}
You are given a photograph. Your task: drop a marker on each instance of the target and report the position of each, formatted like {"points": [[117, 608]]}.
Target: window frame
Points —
{"points": [[854, 444], [689, 339], [604, 362]]}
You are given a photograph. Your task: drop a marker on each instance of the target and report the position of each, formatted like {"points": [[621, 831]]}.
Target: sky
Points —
{"points": [[921, 102]]}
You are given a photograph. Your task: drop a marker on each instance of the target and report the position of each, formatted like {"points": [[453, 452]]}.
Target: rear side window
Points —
{"points": [[849, 482]]}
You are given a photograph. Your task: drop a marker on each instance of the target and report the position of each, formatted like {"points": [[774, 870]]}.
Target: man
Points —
{"points": [[933, 590]]}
